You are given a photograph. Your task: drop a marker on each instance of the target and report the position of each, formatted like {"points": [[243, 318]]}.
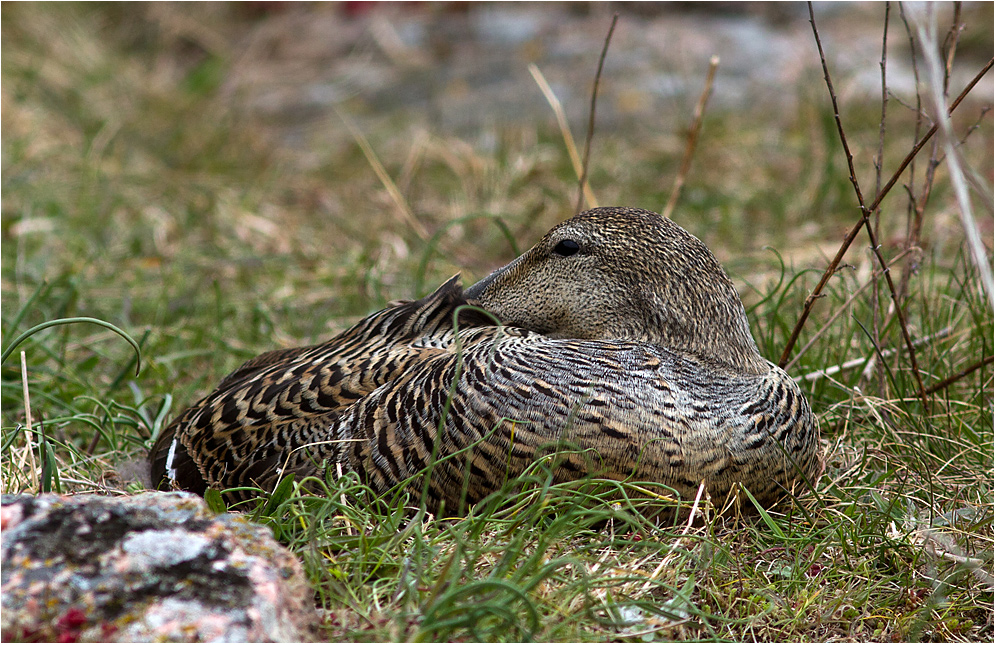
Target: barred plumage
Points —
{"points": [[623, 338]]}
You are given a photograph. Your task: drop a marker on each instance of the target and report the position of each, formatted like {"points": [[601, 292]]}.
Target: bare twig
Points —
{"points": [[974, 179], [940, 385], [693, 138], [951, 41], [879, 158], [879, 161], [92, 446], [836, 116], [591, 114], [865, 211], [565, 130], [986, 109], [926, 36], [849, 238], [840, 311]]}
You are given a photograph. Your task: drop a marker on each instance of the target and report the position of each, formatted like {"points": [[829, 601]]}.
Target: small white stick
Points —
{"points": [[28, 434], [886, 353], [342, 496], [688, 526]]}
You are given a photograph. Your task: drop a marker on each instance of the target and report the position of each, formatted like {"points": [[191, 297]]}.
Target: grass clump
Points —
{"points": [[138, 191]]}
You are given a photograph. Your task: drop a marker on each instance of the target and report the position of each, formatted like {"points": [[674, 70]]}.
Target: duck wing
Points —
{"points": [[484, 413], [242, 433]]}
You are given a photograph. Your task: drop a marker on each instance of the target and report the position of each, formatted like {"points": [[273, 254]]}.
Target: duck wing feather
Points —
{"points": [[621, 410], [282, 400]]}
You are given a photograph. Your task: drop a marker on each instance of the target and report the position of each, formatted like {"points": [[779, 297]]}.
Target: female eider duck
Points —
{"points": [[622, 337]]}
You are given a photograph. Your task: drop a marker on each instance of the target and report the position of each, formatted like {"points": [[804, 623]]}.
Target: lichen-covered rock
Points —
{"points": [[153, 567]]}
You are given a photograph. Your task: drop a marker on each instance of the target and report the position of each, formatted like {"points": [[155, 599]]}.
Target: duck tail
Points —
{"points": [[170, 465]]}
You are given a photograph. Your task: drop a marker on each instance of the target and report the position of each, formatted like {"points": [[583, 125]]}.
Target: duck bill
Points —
{"points": [[475, 291]]}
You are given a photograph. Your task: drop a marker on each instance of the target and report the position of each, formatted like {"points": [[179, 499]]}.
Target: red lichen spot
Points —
{"points": [[107, 630], [69, 625], [72, 619]]}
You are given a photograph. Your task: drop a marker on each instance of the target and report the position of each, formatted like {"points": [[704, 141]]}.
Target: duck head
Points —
{"points": [[624, 273]]}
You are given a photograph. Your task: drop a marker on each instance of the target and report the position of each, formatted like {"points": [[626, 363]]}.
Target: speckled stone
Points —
{"points": [[153, 567]]}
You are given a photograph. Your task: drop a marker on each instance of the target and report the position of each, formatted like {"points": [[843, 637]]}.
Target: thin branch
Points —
{"points": [[880, 157], [693, 138], [974, 178], [874, 278], [836, 116], [952, 44], [591, 113], [986, 109], [879, 161], [865, 211], [940, 385], [817, 292]]}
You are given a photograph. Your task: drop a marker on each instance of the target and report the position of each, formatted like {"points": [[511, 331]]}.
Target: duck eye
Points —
{"points": [[566, 248]]}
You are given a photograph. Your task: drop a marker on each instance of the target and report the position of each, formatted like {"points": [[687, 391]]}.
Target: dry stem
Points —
{"points": [[404, 212], [28, 433], [565, 130], [693, 138], [940, 385], [879, 160], [591, 114]]}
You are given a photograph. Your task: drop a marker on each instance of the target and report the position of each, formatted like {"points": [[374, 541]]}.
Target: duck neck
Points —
{"points": [[737, 354], [700, 331]]}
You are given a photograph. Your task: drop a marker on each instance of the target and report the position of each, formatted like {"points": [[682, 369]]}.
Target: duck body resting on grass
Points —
{"points": [[622, 339]]}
